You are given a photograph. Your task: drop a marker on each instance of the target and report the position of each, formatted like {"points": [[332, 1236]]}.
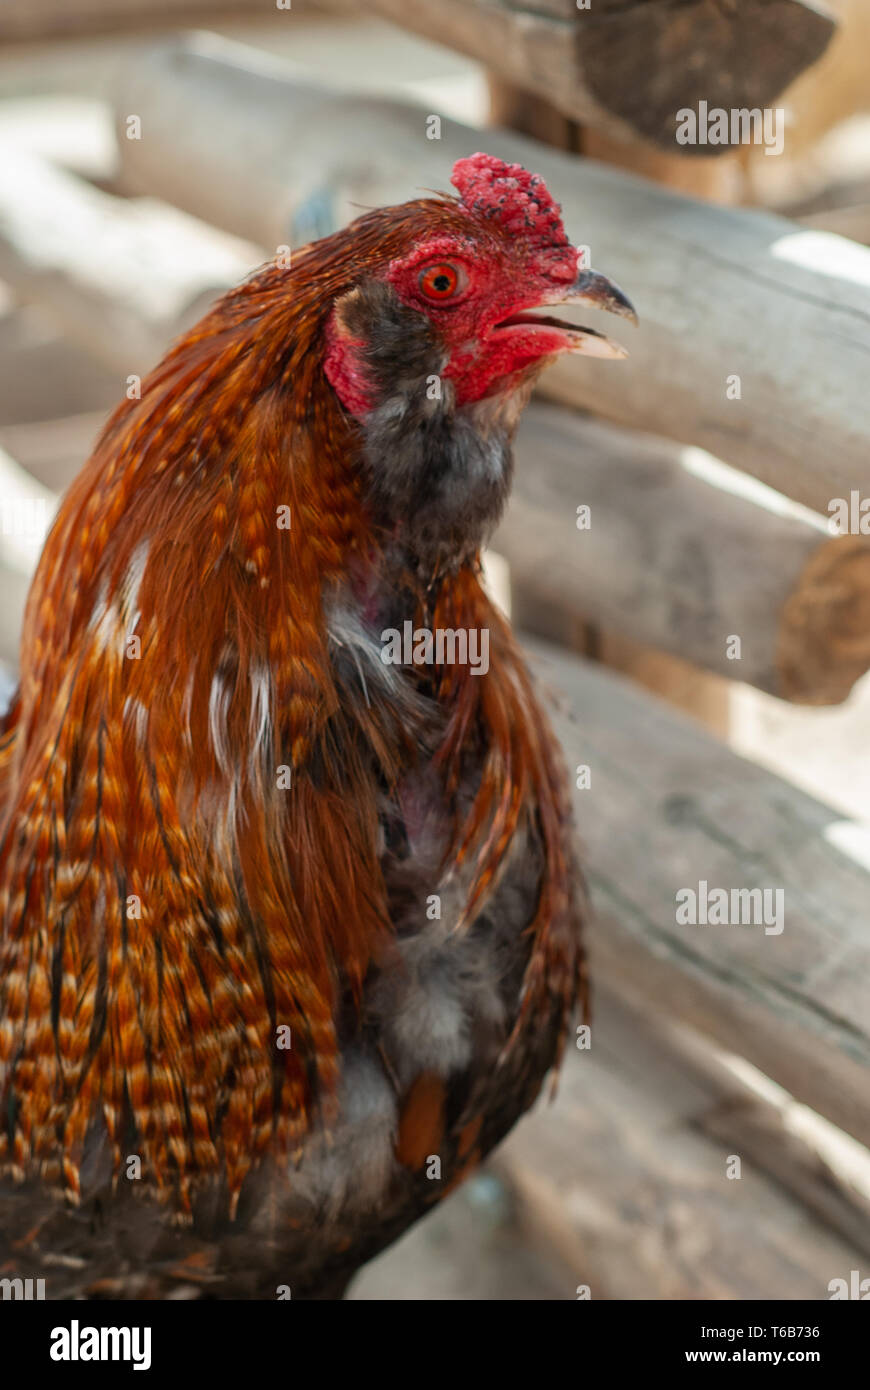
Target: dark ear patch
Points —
{"points": [[399, 346], [438, 475]]}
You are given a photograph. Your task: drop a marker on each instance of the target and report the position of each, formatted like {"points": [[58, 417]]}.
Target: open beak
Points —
{"points": [[589, 288]]}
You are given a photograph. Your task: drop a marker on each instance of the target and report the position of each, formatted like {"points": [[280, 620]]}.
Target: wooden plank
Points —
{"points": [[26, 511], [14, 587], [725, 296], [852, 221], [631, 68], [686, 687], [29, 20], [42, 375], [669, 809], [672, 559], [99, 264], [719, 1094], [53, 451], [619, 1180]]}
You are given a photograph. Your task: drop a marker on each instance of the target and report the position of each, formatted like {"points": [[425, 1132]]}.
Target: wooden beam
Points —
{"points": [[26, 512], [625, 1178], [33, 20], [630, 68], [667, 809], [43, 375], [53, 451], [723, 1096], [99, 265], [672, 559], [730, 300]]}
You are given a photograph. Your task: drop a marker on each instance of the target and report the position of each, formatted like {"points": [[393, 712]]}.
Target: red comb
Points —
{"points": [[519, 201]]}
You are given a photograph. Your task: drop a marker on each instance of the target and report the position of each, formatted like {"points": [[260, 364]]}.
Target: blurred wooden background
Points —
{"points": [[143, 170]]}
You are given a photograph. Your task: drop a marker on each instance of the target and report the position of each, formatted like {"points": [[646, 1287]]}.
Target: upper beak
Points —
{"points": [[601, 293]]}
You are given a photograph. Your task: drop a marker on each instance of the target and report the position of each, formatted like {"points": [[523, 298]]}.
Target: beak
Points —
{"points": [[601, 293], [589, 288]]}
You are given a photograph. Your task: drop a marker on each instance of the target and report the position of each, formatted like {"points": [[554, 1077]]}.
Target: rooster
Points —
{"points": [[289, 931]]}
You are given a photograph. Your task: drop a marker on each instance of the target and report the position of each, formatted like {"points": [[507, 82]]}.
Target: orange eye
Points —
{"points": [[441, 281]]}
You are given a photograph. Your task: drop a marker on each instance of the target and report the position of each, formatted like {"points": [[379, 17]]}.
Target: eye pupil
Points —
{"points": [[441, 283]]}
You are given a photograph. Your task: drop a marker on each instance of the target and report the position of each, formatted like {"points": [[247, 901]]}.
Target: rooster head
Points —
{"points": [[462, 299]]}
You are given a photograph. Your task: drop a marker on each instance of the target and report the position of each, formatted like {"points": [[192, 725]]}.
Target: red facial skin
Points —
{"points": [[481, 355], [345, 371], [495, 282]]}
